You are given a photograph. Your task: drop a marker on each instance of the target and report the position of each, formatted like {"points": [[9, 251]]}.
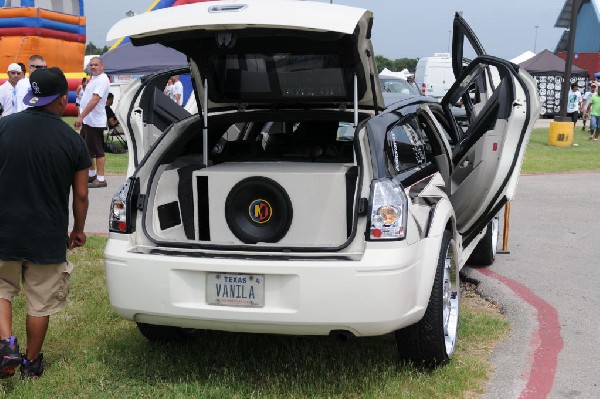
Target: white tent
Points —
{"points": [[402, 74], [523, 57]]}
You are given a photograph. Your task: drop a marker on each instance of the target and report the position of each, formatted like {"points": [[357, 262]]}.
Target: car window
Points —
{"points": [[406, 146], [397, 85], [256, 77], [315, 141]]}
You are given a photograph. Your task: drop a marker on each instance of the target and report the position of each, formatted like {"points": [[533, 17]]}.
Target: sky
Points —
{"points": [[415, 29]]}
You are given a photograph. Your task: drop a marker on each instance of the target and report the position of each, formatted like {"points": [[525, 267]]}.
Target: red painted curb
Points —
{"points": [[546, 340]]}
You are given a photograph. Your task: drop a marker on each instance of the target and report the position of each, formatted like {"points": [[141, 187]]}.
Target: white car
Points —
{"points": [[294, 201]]}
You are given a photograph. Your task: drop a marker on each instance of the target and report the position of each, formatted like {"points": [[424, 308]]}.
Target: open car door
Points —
{"points": [[147, 111], [501, 105]]}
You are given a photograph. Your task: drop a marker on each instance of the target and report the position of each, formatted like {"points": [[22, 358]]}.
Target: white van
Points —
{"points": [[434, 74]]}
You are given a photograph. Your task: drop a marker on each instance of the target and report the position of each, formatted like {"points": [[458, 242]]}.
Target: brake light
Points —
{"points": [[423, 88], [388, 211], [119, 217]]}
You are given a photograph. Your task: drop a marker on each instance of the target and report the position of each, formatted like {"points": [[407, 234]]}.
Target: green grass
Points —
{"points": [[542, 158], [92, 353]]}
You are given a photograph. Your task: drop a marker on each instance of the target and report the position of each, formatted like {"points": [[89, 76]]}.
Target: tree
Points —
{"points": [[92, 49], [395, 65]]}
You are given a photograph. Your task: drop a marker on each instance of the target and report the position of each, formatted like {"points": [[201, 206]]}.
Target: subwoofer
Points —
{"points": [[258, 209]]}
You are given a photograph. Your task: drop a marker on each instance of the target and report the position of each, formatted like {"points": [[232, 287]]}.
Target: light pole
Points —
{"points": [[535, 38]]}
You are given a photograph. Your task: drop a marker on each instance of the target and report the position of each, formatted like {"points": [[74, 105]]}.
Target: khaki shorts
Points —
{"points": [[46, 286]]}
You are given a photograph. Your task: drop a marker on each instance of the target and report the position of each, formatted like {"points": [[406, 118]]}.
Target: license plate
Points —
{"points": [[232, 289]]}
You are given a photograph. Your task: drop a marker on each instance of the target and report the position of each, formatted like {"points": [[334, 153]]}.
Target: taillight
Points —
{"points": [[120, 216], [388, 210], [423, 88]]}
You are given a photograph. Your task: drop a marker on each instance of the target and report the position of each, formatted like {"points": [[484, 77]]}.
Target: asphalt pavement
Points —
{"points": [[554, 251], [97, 217], [550, 273]]}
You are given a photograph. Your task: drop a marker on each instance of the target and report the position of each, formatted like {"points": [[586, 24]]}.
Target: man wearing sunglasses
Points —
{"points": [[8, 91], [35, 62]]}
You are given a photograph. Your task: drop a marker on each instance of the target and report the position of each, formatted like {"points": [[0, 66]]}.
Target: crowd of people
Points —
{"points": [[586, 106]]}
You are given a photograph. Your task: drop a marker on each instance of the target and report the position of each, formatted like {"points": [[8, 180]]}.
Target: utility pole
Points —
{"points": [[562, 128], [566, 84]]}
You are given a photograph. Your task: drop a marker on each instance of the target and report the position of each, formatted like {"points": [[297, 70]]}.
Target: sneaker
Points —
{"points": [[97, 183], [9, 353], [91, 179], [32, 370]]}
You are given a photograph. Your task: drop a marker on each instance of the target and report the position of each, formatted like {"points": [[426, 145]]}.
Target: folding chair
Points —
{"points": [[116, 133]]}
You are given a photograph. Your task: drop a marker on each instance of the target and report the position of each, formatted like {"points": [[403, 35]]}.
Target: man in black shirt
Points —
{"points": [[111, 119], [41, 159], [114, 128]]}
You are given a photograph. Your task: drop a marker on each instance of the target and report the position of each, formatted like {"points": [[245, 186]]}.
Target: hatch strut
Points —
{"points": [[205, 129], [355, 111], [355, 101]]}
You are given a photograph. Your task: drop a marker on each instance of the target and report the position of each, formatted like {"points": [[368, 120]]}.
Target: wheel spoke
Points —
{"points": [[450, 301]]}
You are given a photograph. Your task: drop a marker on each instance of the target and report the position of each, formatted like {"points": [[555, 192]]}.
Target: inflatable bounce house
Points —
{"points": [[53, 29]]}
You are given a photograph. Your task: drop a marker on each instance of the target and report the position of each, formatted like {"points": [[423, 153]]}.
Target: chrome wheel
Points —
{"points": [[451, 299], [495, 225]]}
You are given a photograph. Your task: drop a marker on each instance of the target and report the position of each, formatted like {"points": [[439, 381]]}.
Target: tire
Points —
{"points": [[484, 253], [156, 333], [430, 342]]}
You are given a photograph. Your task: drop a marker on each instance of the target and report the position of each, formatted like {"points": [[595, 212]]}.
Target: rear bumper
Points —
{"points": [[386, 290]]}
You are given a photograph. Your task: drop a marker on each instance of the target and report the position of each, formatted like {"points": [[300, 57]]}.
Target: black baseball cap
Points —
{"points": [[46, 85]]}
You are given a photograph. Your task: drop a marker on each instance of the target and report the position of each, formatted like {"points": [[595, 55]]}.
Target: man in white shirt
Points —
{"points": [[23, 87], [92, 120], [574, 101], [8, 90], [177, 90]]}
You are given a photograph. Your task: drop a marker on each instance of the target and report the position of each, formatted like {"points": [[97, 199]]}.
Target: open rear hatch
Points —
{"points": [[269, 53], [249, 57]]}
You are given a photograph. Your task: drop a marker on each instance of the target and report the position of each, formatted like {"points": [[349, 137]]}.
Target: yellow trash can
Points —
{"points": [[560, 134]]}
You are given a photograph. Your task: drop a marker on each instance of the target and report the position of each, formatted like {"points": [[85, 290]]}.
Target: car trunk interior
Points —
{"points": [[285, 183]]}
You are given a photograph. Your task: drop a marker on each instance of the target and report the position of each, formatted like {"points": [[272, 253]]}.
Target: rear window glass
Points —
{"points": [[406, 146], [255, 77]]}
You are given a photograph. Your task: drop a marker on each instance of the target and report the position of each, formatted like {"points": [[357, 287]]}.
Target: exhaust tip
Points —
{"points": [[343, 336]]}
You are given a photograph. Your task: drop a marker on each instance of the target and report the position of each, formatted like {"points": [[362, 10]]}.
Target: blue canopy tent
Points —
{"points": [[127, 59]]}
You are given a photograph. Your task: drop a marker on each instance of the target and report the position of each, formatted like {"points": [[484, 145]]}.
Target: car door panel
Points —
{"points": [[489, 152], [148, 112]]}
